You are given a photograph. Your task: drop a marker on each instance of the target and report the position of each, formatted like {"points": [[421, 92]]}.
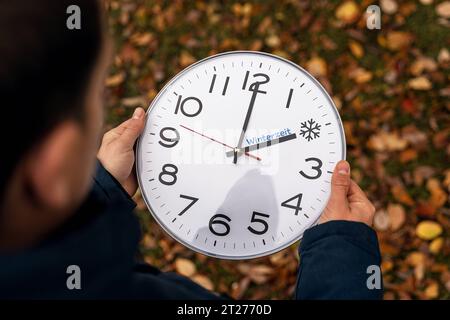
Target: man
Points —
{"points": [[54, 215]]}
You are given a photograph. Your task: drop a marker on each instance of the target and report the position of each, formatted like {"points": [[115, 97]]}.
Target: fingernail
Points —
{"points": [[138, 113], [343, 168]]}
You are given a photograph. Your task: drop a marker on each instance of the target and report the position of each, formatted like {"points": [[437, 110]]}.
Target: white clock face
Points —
{"points": [[237, 154]]}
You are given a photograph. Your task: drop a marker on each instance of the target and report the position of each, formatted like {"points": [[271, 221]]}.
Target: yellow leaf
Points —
{"points": [[432, 290], [436, 245], [356, 49], [348, 12], [428, 230]]}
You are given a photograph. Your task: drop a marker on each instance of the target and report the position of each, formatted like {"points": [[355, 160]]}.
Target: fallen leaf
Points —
{"points": [[408, 155], [432, 290], [115, 80], [361, 75], [134, 101], [397, 40], [347, 12], [428, 230], [443, 56], [273, 41], [185, 267], [436, 245], [401, 195], [186, 59], [356, 49], [204, 281], [438, 195], [397, 216], [317, 66], [389, 6], [425, 210], [420, 83], [443, 9], [381, 220], [385, 141], [423, 64]]}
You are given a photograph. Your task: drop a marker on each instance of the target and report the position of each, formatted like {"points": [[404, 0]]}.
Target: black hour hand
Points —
{"points": [[261, 145]]}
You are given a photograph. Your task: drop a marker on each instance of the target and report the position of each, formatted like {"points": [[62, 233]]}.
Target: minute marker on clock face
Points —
{"points": [[240, 147]]}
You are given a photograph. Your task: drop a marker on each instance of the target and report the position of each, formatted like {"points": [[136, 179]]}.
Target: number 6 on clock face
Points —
{"points": [[236, 157]]}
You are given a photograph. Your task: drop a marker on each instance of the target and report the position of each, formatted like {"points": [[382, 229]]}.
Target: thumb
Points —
{"points": [[340, 183], [133, 128]]}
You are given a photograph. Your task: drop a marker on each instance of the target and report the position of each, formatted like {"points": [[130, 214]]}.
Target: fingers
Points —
{"points": [[357, 195], [132, 128], [340, 182]]}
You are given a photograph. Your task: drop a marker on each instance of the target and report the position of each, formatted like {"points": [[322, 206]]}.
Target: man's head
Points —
{"points": [[50, 89]]}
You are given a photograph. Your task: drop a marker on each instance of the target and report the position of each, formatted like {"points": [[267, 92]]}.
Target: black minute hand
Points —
{"points": [[261, 145], [246, 121]]}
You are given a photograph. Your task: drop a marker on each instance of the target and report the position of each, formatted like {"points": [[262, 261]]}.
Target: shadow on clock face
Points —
{"points": [[248, 214]]}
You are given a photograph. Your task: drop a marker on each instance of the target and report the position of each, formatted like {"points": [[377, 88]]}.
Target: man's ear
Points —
{"points": [[50, 165]]}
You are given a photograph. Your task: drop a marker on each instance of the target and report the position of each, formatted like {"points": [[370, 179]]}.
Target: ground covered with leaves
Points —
{"points": [[391, 87]]}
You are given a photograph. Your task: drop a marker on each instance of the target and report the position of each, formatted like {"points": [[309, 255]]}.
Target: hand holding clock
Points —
{"points": [[347, 200]]}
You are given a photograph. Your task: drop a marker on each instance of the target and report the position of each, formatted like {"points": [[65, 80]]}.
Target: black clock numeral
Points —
{"points": [[254, 86], [244, 85], [181, 106], [260, 221], [193, 201], [225, 86], [296, 206], [218, 219], [288, 102], [213, 81], [171, 141], [172, 174], [316, 168]]}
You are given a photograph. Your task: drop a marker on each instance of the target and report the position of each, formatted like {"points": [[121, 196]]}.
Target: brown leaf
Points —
{"points": [[397, 216], [185, 267], [443, 9], [381, 220], [115, 80], [438, 195], [401, 195], [397, 40], [204, 281], [386, 141], [317, 66], [420, 83]]}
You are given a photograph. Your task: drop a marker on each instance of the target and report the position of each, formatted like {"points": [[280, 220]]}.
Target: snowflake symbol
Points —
{"points": [[310, 130]]}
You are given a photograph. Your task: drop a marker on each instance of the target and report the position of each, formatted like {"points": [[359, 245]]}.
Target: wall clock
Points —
{"points": [[236, 158]]}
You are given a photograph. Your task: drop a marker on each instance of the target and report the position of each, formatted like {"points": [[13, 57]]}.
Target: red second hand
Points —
{"points": [[225, 145]]}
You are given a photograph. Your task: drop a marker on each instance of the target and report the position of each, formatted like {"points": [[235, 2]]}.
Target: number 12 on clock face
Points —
{"points": [[236, 158]]}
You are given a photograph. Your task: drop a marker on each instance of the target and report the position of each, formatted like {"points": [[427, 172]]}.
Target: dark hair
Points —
{"points": [[45, 69]]}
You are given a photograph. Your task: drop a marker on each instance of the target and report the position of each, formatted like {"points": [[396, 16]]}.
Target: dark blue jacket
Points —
{"points": [[102, 239]]}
